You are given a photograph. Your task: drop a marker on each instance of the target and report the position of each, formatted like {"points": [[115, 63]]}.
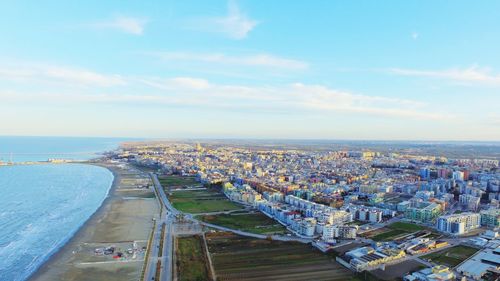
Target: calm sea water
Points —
{"points": [[42, 206], [21, 149]]}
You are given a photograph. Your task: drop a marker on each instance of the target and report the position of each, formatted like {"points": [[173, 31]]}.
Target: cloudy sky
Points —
{"points": [[405, 70]]}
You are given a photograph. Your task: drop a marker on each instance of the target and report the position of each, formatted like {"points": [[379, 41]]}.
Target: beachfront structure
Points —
{"points": [[436, 273], [458, 224], [490, 218]]}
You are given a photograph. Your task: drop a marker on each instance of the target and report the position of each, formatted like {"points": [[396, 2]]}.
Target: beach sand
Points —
{"points": [[124, 221]]}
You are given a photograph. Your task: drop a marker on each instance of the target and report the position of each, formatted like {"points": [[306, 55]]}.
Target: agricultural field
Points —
{"points": [[247, 259], [177, 181], [201, 201], [250, 222], [191, 263], [452, 256]]}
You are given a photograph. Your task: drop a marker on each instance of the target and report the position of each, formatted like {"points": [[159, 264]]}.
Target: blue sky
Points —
{"points": [[403, 70]]}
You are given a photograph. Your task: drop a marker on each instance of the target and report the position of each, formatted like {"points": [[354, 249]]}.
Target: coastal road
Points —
{"points": [[168, 240], [153, 253], [167, 254]]}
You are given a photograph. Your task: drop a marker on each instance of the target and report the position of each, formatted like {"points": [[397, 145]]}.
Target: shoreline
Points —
{"points": [[123, 221], [80, 232]]}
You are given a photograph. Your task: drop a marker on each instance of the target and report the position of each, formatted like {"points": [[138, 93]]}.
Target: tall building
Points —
{"points": [[458, 175], [458, 223], [469, 201], [423, 212], [331, 232], [425, 173], [490, 218]]}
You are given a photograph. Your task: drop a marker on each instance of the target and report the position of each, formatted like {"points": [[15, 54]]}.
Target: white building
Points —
{"points": [[458, 223], [331, 232]]}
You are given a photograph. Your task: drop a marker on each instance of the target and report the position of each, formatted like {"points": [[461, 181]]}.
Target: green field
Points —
{"points": [[191, 259], [174, 181], [397, 229], [405, 226], [201, 201], [451, 256], [255, 223], [244, 259], [388, 235]]}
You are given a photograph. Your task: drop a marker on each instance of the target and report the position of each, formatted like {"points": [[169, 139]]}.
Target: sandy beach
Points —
{"points": [[123, 222]]}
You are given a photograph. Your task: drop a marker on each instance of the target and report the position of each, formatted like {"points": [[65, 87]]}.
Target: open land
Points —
{"points": [[241, 258], [250, 222], [122, 223], [452, 256], [191, 259], [394, 231], [201, 201], [175, 181]]}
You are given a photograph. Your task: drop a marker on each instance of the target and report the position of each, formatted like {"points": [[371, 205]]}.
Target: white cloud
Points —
{"points": [[184, 83], [264, 60], [235, 24], [472, 74], [189, 91], [297, 97], [125, 24], [51, 73]]}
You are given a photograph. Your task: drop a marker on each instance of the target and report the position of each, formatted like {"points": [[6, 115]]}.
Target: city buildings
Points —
{"points": [[423, 211], [469, 202], [436, 273], [458, 224], [317, 194], [366, 258], [481, 263], [490, 218]]}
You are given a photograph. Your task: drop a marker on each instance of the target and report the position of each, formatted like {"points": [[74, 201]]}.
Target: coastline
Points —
{"points": [[61, 264], [59, 253]]}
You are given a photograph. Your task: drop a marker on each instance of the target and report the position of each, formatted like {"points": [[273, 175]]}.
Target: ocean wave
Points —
{"points": [[47, 220]]}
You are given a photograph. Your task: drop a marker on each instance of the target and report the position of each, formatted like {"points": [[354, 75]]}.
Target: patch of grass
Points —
{"points": [[255, 223], [451, 256], [191, 263], [389, 235], [202, 201], [405, 226], [395, 230], [175, 180]]}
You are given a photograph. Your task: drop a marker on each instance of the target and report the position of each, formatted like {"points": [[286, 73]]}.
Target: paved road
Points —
{"points": [[153, 254], [169, 219], [167, 250]]}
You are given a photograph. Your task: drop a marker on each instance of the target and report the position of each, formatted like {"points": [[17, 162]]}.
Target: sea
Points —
{"points": [[43, 205]]}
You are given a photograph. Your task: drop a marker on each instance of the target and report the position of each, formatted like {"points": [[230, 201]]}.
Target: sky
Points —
{"points": [[374, 70]]}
